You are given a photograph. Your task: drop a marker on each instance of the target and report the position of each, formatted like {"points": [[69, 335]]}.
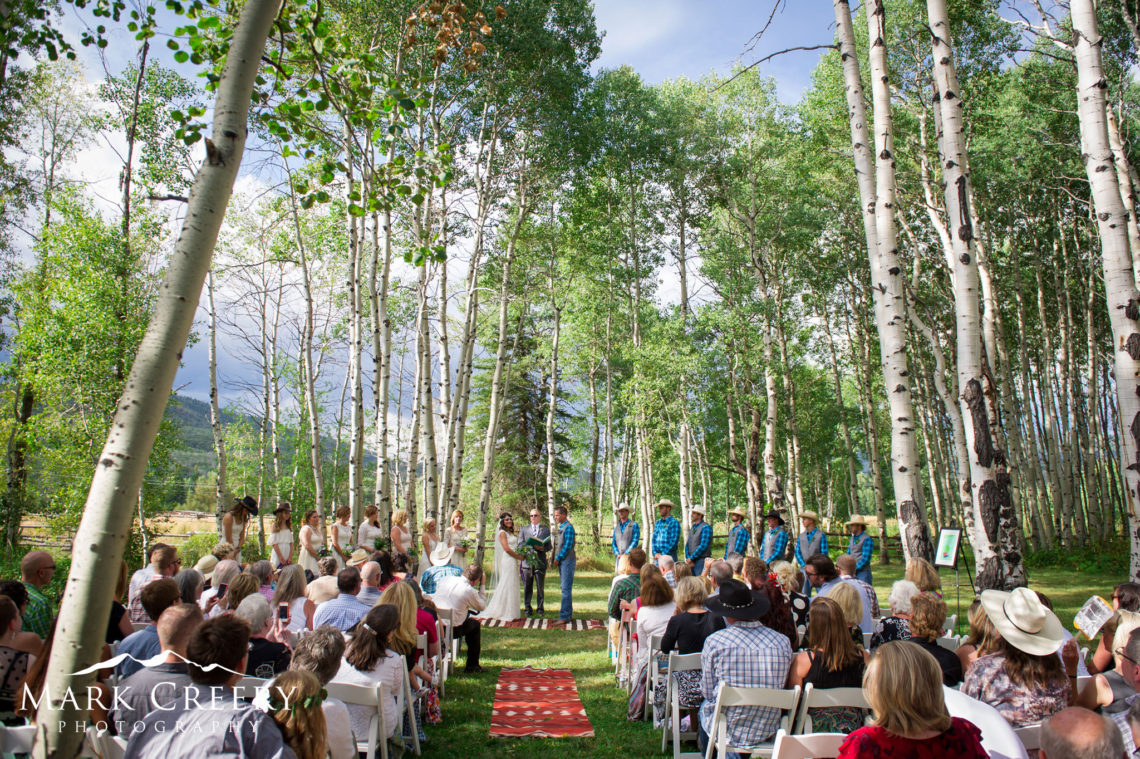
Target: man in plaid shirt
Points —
{"points": [[164, 562], [36, 570], [666, 532], [775, 543], [862, 547], [746, 654]]}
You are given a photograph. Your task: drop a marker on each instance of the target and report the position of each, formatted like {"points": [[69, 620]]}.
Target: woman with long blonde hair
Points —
{"points": [[295, 698], [403, 639], [923, 574], [400, 535], [281, 539], [429, 538], [454, 536]]}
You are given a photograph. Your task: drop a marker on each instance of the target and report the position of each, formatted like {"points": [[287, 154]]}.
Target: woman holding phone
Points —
{"points": [[289, 600]]}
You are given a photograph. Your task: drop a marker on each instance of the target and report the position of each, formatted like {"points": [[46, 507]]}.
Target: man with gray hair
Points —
{"points": [[1077, 733], [736, 561], [162, 684], [267, 658], [369, 584], [665, 563], [263, 571], [720, 572]]}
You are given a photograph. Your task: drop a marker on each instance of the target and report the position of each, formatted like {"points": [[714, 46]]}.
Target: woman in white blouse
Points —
{"points": [[401, 536], [369, 530], [311, 542], [429, 540], [291, 587], [281, 540], [369, 660], [453, 536], [340, 537]]}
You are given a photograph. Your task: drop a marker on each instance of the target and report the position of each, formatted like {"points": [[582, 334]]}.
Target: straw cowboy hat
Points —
{"points": [[665, 502], [858, 519], [1024, 621], [773, 514], [441, 555], [741, 513], [698, 509], [808, 514], [621, 507], [738, 601], [358, 557], [206, 565]]}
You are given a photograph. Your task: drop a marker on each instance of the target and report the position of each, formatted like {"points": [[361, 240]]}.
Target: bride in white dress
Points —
{"points": [[505, 603]]}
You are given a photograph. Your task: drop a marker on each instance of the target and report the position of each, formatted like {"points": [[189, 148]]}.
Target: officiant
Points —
{"points": [[534, 574]]}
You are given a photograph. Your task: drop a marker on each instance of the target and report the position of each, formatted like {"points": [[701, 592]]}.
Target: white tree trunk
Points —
{"points": [[109, 510], [220, 500], [552, 399], [1119, 277], [355, 352]]}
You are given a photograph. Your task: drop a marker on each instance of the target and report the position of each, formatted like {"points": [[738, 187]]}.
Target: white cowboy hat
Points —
{"points": [[1024, 621], [698, 509], [206, 565], [441, 555], [808, 514], [858, 519], [621, 507], [358, 557], [739, 512]]}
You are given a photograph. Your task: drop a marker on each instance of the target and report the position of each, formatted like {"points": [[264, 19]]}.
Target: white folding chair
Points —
{"points": [[624, 643], [652, 673], [816, 746], [449, 629], [17, 740], [627, 662], [103, 745], [1030, 737], [678, 663], [819, 698], [406, 704], [728, 697], [443, 661], [867, 641], [371, 696], [951, 626], [949, 642]]}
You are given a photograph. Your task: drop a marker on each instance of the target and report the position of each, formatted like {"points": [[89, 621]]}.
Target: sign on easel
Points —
{"points": [[949, 539]]}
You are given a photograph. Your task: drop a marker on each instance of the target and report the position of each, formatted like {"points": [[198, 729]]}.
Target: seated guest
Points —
{"points": [[720, 572], [791, 582], [263, 571], [927, 618], [224, 574], [832, 660], [387, 566], [320, 653], [441, 567], [779, 617], [156, 597], [221, 725], [745, 654], [679, 571], [655, 607], [243, 586], [14, 662], [119, 624], [1077, 733], [162, 562], [30, 693], [295, 704], [206, 566], [736, 563], [464, 594], [845, 565], [161, 684], [1125, 597], [191, 583], [850, 600], [923, 574], [323, 588], [22, 641], [1105, 696], [1024, 679], [667, 565], [225, 551], [368, 660], [897, 625], [902, 686], [400, 567], [291, 591], [403, 640], [686, 634], [344, 611], [628, 587], [369, 584], [981, 639], [36, 570], [821, 574], [267, 657]]}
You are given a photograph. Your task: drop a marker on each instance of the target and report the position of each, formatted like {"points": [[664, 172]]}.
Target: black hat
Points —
{"points": [[737, 601], [249, 504], [773, 514]]}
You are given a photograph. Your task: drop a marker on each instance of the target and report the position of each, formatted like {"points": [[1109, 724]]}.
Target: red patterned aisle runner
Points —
{"points": [[538, 703], [545, 624]]}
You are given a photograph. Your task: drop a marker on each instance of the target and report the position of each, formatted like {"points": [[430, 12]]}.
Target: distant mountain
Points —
{"points": [[193, 420]]}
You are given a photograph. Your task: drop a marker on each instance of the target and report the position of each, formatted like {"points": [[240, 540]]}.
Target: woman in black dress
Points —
{"points": [[832, 660]]}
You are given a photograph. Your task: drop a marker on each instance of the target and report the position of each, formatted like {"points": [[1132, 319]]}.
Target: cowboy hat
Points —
{"points": [[283, 508], [621, 507], [358, 557], [698, 509], [740, 513], [206, 565], [737, 601], [248, 504], [858, 519], [665, 502], [808, 514], [441, 555], [1024, 621], [773, 514]]}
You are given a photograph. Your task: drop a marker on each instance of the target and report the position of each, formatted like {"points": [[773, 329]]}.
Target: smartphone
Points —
{"points": [[222, 590], [283, 611]]}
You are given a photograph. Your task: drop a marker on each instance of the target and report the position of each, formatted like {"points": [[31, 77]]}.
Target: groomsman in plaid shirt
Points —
{"points": [[862, 547], [738, 535], [775, 543], [666, 532]]}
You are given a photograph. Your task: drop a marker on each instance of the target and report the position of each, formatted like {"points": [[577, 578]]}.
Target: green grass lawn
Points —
{"points": [[467, 706]]}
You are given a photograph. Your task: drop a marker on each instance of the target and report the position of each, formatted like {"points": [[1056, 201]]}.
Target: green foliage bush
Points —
{"points": [[1109, 557], [10, 569]]}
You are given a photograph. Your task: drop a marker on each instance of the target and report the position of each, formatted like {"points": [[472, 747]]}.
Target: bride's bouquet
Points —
{"points": [[530, 556]]}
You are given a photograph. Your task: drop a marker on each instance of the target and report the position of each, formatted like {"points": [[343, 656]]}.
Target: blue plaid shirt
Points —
{"points": [[342, 612], [666, 534], [429, 580], [634, 543], [744, 655], [822, 546], [774, 545], [863, 558], [738, 539], [703, 540], [567, 541]]}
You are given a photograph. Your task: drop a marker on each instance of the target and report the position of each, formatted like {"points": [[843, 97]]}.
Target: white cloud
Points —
{"points": [[633, 27]]}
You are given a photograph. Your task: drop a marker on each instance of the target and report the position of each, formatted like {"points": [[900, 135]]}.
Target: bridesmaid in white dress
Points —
{"points": [[369, 530], [311, 542], [505, 603], [281, 539], [401, 536], [453, 535], [429, 539], [340, 536]]}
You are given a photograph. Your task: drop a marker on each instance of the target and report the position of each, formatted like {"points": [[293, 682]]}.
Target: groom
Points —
{"points": [[565, 560], [531, 574]]}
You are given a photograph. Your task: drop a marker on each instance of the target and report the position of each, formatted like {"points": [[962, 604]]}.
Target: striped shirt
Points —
{"points": [[666, 534], [744, 655]]}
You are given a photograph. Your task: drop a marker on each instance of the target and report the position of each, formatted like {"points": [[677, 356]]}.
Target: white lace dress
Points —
{"points": [[505, 603], [453, 538], [425, 560]]}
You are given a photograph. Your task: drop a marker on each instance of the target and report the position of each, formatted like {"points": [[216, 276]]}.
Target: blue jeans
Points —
{"points": [[566, 584], [703, 743], [864, 575], [699, 566]]}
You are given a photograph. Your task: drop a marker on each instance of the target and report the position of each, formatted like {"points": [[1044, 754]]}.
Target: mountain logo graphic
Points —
{"points": [[155, 660]]}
